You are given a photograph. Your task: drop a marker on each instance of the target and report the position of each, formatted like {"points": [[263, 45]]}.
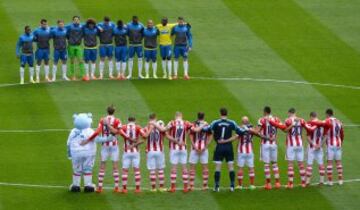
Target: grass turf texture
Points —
{"points": [[298, 40]]}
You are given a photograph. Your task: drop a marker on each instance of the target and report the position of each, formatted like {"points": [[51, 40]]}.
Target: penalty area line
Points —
{"points": [[23, 185]]}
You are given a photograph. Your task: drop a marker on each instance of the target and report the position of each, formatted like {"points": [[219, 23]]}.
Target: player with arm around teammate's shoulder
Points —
{"points": [[25, 52]]}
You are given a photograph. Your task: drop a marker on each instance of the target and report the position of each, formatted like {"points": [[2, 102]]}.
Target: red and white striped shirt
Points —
{"points": [[199, 139], [103, 130], [294, 135], [178, 129], [132, 131], [316, 135], [267, 129], [245, 143], [155, 140], [334, 132]]}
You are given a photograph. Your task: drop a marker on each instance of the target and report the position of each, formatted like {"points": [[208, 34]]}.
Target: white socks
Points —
{"points": [[123, 67], [163, 65], [22, 72], [111, 68], [31, 70], [140, 66], [118, 67], [154, 67], [46, 68], [64, 70], [93, 68], [176, 66], [37, 72], [86, 69], [147, 66], [131, 64], [186, 68], [54, 69], [169, 67]]}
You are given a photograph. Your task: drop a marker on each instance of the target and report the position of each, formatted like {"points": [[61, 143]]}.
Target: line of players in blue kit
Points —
{"points": [[81, 43]]}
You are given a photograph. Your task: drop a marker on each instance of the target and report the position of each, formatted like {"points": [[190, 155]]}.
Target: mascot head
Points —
{"points": [[82, 120]]}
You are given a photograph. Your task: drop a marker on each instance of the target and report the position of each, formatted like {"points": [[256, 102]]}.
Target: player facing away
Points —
{"points": [[182, 46], [42, 38], [151, 34], [315, 149], [294, 145], [135, 34], [222, 130], [58, 35], [269, 147], [106, 48], [75, 51], [90, 32], [154, 134], [109, 149], [334, 135], [165, 42], [176, 133], [121, 50], [199, 152], [131, 133], [25, 52]]}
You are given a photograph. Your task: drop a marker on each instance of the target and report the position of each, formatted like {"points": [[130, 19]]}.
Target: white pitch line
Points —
{"points": [[296, 82], [131, 188]]}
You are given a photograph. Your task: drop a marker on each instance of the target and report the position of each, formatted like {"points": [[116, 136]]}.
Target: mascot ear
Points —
{"points": [[75, 115], [89, 115]]}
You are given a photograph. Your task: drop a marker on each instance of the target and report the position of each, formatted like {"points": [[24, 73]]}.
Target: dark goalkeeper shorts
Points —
{"points": [[223, 151]]}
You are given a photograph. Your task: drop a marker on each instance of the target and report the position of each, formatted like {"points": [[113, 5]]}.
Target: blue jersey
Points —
{"points": [[223, 129], [183, 36], [42, 37], [24, 44], [135, 33], [106, 35], [59, 38], [90, 36], [120, 36], [150, 37], [74, 33]]}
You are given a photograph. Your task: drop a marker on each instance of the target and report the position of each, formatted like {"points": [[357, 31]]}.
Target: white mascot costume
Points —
{"points": [[82, 157]]}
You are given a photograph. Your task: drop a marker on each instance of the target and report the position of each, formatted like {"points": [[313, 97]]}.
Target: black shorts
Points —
{"points": [[224, 151]]}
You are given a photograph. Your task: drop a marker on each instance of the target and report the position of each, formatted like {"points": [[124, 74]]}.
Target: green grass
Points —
{"points": [[282, 39]]}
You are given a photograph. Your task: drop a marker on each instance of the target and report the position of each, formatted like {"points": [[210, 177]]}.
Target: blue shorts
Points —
{"points": [[60, 55], [90, 55], [106, 51], [150, 55], [121, 53], [180, 51], [27, 59], [165, 52], [42, 54], [135, 49]]}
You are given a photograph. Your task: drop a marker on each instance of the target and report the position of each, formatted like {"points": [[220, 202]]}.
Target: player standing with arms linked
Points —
{"points": [[120, 39], [106, 48], [58, 35], [222, 130], [135, 34], [150, 44], [334, 135], [90, 31], [42, 38], [75, 51], [182, 46], [25, 52]]}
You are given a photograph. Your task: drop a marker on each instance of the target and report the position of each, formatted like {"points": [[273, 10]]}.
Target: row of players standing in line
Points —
{"points": [[130, 39], [329, 132]]}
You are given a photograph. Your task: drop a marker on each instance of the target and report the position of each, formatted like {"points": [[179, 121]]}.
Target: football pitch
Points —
{"points": [[246, 54]]}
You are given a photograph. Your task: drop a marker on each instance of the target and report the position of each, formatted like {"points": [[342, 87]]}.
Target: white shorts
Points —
{"points": [[155, 160], [178, 157], [334, 153], [111, 152], [317, 155], [131, 159], [269, 153], [83, 164], [295, 153], [195, 157], [246, 159]]}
